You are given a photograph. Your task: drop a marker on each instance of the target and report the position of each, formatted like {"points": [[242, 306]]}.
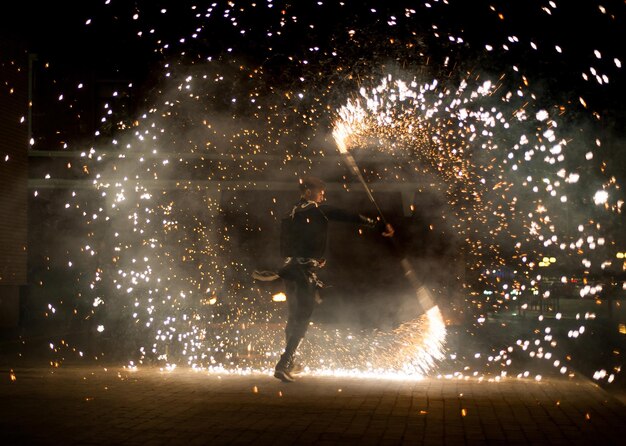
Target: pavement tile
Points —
{"points": [[88, 405]]}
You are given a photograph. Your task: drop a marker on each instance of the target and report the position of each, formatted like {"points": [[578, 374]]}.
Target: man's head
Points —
{"points": [[312, 189]]}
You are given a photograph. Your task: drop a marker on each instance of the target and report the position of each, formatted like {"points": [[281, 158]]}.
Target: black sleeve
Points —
{"points": [[336, 214]]}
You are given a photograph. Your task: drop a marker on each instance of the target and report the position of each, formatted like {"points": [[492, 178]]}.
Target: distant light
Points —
{"points": [[279, 297]]}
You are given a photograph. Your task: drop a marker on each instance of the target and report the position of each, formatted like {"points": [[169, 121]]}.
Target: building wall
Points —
{"points": [[13, 179]]}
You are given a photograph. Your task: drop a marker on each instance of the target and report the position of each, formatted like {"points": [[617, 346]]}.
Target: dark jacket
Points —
{"points": [[304, 230]]}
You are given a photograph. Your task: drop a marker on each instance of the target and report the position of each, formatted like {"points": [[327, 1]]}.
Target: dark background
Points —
{"points": [[108, 53]]}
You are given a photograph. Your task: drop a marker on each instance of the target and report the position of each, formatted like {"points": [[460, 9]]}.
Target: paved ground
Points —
{"points": [[92, 405]]}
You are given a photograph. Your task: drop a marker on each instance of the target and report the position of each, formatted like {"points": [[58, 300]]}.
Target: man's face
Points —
{"points": [[316, 195]]}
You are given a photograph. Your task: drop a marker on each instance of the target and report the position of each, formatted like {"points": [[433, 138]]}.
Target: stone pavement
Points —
{"points": [[94, 405]]}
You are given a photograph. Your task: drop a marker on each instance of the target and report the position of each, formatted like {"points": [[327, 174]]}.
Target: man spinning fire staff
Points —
{"points": [[303, 244]]}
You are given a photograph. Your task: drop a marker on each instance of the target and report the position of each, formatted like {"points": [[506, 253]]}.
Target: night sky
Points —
{"points": [[110, 44]]}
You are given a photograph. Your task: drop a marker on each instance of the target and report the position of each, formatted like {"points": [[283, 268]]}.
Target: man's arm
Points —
{"points": [[337, 214]]}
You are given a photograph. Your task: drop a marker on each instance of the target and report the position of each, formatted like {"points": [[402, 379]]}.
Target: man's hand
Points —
{"points": [[389, 231]]}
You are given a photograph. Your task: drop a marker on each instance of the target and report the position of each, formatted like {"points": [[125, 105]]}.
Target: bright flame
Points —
{"points": [[279, 297]]}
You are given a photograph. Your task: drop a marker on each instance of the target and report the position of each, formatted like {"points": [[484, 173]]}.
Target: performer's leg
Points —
{"points": [[304, 310], [297, 325], [291, 290]]}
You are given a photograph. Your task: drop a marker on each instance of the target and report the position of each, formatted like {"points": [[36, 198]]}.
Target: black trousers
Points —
{"points": [[301, 287]]}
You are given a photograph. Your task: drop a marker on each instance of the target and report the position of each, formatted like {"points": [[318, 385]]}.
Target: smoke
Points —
{"points": [[181, 213], [472, 159], [189, 198]]}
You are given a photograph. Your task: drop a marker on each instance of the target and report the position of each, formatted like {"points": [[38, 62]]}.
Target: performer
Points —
{"points": [[303, 244]]}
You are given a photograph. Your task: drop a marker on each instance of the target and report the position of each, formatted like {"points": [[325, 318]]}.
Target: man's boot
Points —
{"points": [[295, 368], [285, 364]]}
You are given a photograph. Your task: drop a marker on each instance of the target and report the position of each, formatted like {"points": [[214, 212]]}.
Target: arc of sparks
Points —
{"points": [[341, 132]]}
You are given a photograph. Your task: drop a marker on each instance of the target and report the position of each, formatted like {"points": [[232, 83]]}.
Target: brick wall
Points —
{"points": [[13, 178]]}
